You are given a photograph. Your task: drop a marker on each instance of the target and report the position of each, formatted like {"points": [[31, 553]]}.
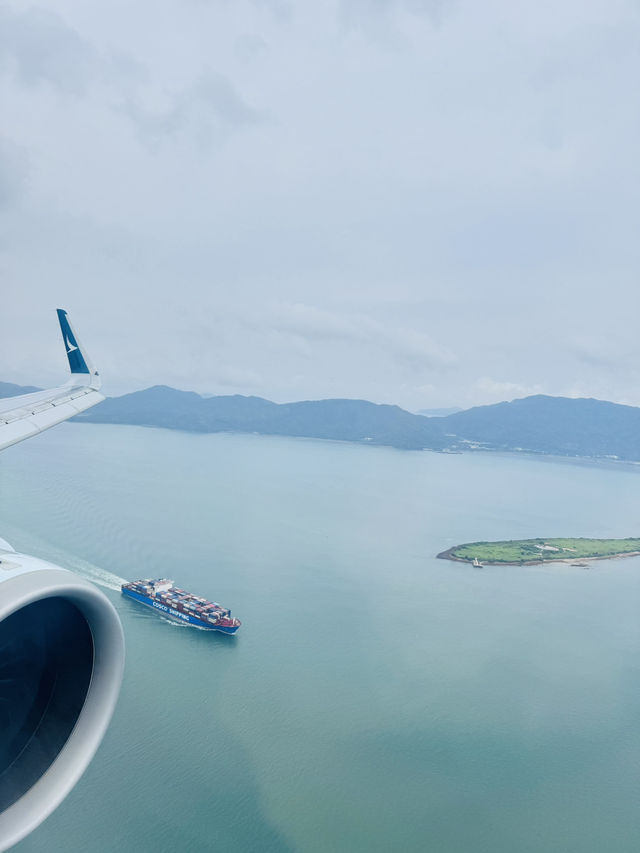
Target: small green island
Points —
{"points": [[529, 552]]}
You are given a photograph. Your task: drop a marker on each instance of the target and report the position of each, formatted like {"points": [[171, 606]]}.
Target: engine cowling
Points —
{"points": [[61, 664]]}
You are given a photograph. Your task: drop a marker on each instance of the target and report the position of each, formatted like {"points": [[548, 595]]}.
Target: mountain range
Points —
{"points": [[539, 424]]}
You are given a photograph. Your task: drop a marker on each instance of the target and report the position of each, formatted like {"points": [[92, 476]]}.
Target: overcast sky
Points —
{"points": [[422, 202]]}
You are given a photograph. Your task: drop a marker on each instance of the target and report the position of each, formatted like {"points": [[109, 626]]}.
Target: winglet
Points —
{"points": [[79, 361]]}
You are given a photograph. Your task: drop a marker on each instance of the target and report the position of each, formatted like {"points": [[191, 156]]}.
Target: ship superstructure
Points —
{"points": [[183, 606]]}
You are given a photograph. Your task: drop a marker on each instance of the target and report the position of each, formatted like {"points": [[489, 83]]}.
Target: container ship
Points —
{"points": [[180, 605]]}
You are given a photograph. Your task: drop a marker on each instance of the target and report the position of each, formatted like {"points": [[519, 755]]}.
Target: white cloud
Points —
{"points": [[208, 109], [237, 377], [431, 194], [373, 15], [495, 391], [315, 324], [13, 172], [37, 46]]}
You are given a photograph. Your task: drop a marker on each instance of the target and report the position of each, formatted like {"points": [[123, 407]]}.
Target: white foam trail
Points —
{"points": [[177, 624], [95, 574], [99, 576]]}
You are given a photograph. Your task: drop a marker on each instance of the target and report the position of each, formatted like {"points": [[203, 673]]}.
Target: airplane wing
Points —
{"points": [[27, 415]]}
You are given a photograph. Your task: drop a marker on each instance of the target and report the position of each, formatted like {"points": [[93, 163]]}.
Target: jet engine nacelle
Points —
{"points": [[61, 663]]}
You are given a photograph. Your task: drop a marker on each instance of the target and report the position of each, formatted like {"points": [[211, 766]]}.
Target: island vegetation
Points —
{"points": [[534, 551]]}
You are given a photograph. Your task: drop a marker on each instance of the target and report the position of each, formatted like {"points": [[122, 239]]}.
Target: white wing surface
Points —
{"points": [[26, 415]]}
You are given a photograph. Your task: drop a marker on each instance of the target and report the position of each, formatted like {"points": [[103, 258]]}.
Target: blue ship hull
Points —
{"points": [[171, 613]]}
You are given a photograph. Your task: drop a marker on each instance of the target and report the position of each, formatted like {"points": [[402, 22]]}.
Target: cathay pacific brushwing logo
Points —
{"points": [[70, 347]]}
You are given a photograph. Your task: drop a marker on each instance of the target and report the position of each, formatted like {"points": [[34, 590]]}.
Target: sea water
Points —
{"points": [[375, 698]]}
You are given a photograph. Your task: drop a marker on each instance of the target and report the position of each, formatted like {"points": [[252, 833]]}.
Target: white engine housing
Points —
{"points": [[61, 665]]}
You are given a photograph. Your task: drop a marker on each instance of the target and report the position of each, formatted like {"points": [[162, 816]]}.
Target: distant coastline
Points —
{"points": [[551, 426]]}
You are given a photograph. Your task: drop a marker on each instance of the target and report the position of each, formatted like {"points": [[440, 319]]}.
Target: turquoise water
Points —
{"points": [[375, 699]]}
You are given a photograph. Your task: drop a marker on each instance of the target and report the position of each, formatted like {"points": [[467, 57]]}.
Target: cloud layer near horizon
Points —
{"points": [[430, 203]]}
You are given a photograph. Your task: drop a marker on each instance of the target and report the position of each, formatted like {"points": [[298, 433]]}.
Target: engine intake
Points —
{"points": [[61, 663]]}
